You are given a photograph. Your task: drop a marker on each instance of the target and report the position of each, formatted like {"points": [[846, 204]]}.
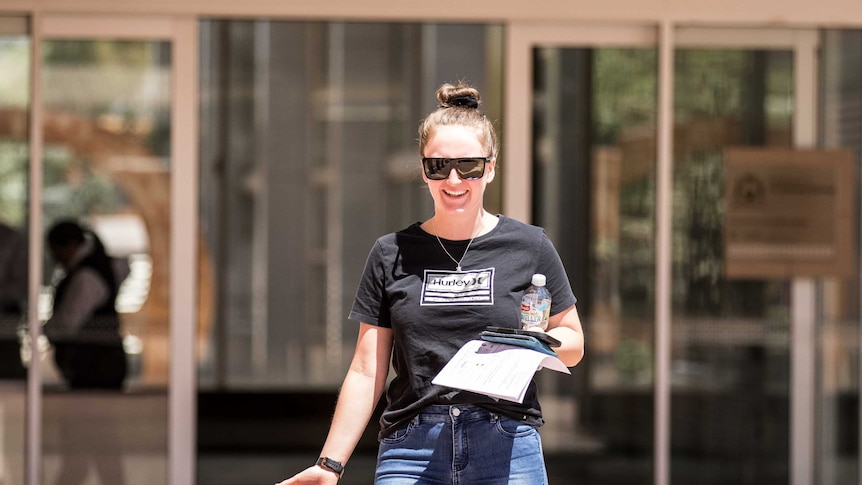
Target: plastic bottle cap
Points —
{"points": [[538, 280]]}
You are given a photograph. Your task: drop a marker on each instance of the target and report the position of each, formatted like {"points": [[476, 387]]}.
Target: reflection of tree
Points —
{"points": [[101, 170], [700, 93], [702, 222], [625, 87], [90, 52], [72, 188], [713, 112], [13, 182], [633, 361], [637, 257]]}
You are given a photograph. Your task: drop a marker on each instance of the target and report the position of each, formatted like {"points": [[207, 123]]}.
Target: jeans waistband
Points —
{"points": [[459, 411]]}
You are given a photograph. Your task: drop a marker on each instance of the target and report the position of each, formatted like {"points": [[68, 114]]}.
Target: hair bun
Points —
{"points": [[464, 101], [461, 95]]}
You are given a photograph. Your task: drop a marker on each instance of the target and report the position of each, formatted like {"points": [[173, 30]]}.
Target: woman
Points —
{"points": [[85, 328], [425, 292]]}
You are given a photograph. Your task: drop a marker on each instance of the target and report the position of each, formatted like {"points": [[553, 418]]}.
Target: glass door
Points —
{"points": [[111, 135], [590, 140], [764, 270], [701, 361], [106, 191], [731, 345]]}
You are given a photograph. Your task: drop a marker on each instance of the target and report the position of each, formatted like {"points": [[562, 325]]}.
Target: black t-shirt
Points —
{"points": [[410, 285]]}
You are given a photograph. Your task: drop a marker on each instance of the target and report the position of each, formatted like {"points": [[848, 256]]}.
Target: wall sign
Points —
{"points": [[788, 213]]}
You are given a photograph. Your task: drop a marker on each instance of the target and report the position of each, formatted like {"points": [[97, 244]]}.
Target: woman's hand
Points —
{"points": [[313, 475]]}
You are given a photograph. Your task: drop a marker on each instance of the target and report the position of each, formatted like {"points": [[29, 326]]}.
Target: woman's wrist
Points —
{"points": [[332, 465]]}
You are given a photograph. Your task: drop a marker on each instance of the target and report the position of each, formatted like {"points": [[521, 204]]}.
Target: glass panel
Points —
{"points": [[594, 193], [15, 52], [105, 298], [838, 395], [308, 154], [730, 349]]}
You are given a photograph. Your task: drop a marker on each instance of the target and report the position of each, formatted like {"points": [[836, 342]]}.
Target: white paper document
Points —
{"points": [[497, 370]]}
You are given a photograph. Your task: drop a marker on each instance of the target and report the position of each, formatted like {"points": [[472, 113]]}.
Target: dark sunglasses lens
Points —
{"points": [[436, 168], [467, 168], [471, 168]]}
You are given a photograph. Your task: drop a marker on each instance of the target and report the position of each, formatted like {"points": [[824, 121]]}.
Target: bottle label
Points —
{"points": [[534, 312]]}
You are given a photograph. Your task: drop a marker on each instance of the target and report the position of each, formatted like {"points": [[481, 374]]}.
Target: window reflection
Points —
{"points": [[594, 193], [106, 168], [308, 154], [730, 353], [106, 165]]}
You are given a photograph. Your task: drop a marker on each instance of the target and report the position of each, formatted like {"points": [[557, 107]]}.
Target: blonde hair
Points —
{"points": [[459, 106]]}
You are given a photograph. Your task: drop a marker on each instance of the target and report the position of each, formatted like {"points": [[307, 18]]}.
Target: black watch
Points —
{"points": [[330, 464]]}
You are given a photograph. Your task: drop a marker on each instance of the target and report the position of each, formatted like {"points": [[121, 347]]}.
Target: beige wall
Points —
{"points": [[832, 13]]}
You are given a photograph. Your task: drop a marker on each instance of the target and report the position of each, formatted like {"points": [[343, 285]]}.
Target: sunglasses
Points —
{"points": [[468, 168]]}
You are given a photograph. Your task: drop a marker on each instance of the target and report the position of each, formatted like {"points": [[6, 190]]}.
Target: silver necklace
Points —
{"points": [[456, 261]]}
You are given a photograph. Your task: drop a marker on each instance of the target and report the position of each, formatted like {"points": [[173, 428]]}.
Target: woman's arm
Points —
{"points": [[566, 327], [360, 392]]}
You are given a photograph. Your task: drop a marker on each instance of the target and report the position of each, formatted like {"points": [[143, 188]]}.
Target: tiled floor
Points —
{"points": [[266, 470], [269, 469], [141, 434], [562, 470]]}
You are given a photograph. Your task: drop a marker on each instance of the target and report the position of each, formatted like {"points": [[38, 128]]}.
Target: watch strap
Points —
{"points": [[330, 464]]}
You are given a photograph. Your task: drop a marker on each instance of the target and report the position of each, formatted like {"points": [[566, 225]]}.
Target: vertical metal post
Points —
{"points": [[518, 178], [184, 190], [803, 324], [803, 363], [664, 192], [33, 448]]}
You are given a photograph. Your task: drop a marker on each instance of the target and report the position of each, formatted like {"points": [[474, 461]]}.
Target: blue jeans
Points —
{"points": [[461, 445]]}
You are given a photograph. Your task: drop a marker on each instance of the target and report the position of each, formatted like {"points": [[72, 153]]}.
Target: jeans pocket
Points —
{"points": [[400, 434], [513, 429]]}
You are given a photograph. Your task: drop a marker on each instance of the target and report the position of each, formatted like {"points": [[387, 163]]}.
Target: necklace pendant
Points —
{"points": [[458, 268]]}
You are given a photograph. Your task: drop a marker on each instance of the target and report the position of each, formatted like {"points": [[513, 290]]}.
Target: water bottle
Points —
{"points": [[536, 305]]}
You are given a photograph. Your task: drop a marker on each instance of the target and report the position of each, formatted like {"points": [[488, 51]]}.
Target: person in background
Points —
{"points": [[84, 330], [479, 265], [13, 298]]}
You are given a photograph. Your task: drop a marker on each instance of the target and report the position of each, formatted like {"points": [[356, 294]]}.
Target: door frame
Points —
{"points": [[182, 33], [667, 37]]}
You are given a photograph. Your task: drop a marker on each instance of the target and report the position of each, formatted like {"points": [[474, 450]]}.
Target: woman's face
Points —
{"points": [[455, 195]]}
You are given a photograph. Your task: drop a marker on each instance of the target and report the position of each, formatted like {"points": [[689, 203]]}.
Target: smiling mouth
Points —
{"points": [[455, 194]]}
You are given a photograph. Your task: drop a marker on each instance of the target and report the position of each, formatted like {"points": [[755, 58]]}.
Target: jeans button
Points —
{"points": [[456, 412]]}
